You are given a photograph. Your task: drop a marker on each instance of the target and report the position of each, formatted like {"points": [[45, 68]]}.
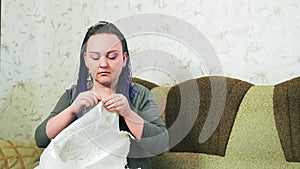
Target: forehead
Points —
{"points": [[103, 42]]}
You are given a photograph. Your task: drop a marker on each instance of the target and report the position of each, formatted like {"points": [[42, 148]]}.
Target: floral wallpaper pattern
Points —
{"points": [[255, 41]]}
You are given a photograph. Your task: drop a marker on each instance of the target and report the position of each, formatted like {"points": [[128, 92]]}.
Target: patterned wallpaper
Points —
{"points": [[256, 41]]}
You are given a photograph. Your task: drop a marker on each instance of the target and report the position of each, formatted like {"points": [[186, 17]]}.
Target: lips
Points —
{"points": [[104, 73]]}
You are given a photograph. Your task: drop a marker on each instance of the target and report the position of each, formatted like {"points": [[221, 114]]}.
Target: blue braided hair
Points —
{"points": [[124, 85]]}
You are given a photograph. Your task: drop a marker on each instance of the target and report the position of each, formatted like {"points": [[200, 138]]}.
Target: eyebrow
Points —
{"points": [[111, 51]]}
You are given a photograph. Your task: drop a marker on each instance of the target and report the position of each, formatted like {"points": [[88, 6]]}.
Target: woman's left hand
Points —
{"points": [[117, 103]]}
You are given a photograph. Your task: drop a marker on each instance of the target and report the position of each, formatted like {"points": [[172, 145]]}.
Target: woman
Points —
{"points": [[105, 75]]}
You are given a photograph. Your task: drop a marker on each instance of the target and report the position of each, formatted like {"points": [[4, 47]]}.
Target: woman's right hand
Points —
{"points": [[85, 100], [57, 123]]}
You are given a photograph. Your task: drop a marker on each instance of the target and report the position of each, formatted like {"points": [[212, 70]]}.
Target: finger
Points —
{"points": [[95, 99], [117, 106], [98, 98], [85, 103], [112, 106], [92, 97], [89, 101], [110, 100], [111, 109], [109, 103]]}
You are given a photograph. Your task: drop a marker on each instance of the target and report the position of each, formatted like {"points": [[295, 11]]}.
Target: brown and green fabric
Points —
{"points": [[287, 115], [253, 141], [176, 160], [18, 155], [212, 100], [146, 83]]}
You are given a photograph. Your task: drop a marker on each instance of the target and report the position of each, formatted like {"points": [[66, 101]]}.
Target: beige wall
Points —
{"points": [[256, 41]]}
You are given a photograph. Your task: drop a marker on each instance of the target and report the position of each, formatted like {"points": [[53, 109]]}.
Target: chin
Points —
{"points": [[104, 82]]}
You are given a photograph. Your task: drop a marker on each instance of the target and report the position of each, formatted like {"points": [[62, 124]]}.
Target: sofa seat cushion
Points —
{"points": [[200, 113], [287, 115], [253, 143], [18, 155]]}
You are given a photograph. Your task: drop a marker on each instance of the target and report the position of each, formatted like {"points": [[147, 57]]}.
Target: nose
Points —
{"points": [[103, 62]]}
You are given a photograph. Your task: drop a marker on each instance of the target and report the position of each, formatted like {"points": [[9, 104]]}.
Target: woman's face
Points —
{"points": [[105, 58]]}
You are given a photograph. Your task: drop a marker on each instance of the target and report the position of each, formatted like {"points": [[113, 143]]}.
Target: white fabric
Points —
{"points": [[92, 141]]}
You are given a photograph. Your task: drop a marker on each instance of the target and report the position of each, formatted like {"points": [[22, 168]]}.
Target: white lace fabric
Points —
{"points": [[92, 141]]}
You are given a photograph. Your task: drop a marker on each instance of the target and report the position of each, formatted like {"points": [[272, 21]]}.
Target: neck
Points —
{"points": [[103, 91]]}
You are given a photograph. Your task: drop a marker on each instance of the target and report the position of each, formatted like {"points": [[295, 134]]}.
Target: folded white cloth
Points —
{"points": [[92, 141]]}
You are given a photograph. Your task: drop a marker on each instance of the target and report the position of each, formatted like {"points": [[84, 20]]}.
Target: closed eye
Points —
{"points": [[112, 55], [94, 56]]}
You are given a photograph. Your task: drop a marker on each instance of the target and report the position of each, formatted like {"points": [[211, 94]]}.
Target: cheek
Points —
{"points": [[93, 68], [118, 68]]}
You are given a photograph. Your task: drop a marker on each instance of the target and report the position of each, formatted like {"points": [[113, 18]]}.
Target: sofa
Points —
{"points": [[213, 122]]}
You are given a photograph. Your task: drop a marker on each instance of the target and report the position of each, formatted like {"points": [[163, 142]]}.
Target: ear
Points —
{"points": [[125, 56]]}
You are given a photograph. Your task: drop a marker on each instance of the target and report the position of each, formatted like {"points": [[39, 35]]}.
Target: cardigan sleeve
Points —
{"points": [[41, 138], [155, 136]]}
